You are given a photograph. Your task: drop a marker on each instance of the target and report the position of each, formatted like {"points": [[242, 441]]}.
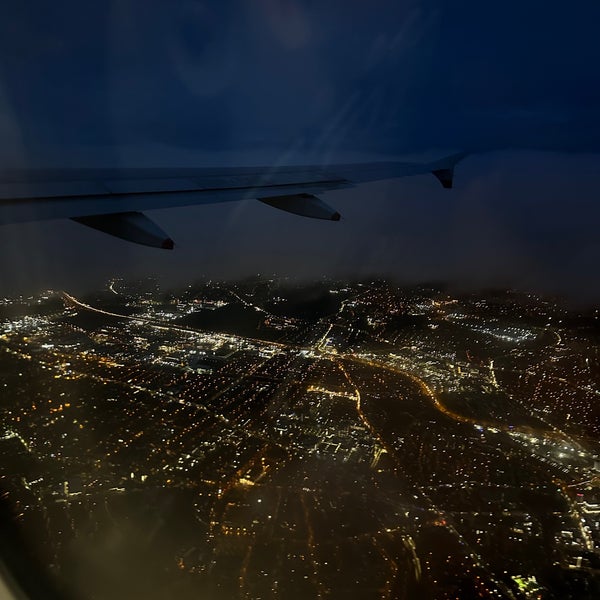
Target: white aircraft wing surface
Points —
{"points": [[112, 200]]}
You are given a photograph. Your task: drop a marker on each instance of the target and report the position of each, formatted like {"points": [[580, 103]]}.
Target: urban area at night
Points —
{"points": [[268, 438]]}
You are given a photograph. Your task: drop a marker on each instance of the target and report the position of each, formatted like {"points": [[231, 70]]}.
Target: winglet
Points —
{"points": [[443, 169]]}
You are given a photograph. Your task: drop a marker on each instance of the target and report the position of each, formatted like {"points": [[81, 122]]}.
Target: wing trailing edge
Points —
{"points": [[111, 200]]}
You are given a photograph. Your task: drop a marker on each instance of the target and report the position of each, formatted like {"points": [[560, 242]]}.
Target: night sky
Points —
{"points": [[258, 82]]}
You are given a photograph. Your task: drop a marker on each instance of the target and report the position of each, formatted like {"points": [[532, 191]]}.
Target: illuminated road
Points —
{"points": [[473, 555], [167, 326], [552, 434], [331, 356]]}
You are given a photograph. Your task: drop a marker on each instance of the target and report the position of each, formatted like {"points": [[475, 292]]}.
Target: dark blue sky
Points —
{"points": [[253, 82]]}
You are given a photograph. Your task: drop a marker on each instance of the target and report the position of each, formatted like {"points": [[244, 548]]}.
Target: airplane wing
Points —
{"points": [[111, 200]]}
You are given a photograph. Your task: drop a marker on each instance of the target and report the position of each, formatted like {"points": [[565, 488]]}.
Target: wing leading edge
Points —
{"points": [[112, 200]]}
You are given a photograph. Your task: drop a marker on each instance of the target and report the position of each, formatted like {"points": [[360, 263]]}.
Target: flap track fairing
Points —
{"points": [[131, 226], [305, 205]]}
